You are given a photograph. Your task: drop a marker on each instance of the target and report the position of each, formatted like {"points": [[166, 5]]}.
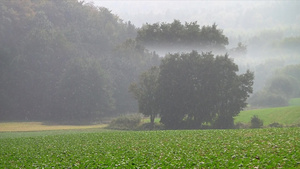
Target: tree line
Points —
{"points": [[178, 34], [67, 61], [71, 62]]}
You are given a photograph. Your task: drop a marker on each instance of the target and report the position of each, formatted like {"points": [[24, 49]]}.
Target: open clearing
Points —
{"points": [[294, 102], [39, 126], [251, 148], [283, 115]]}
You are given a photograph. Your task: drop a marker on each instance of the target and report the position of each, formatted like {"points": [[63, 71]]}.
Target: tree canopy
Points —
{"points": [[176, 34], [194, 89], [72, 61], [55, 56]]}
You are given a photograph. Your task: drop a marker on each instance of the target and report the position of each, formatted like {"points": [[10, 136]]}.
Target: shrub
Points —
{"points": [[149, 126], [126, 122], [256, 122], [275, 124], [241, 125]]}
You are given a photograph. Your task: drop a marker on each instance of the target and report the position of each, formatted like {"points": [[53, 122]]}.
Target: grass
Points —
{"points": [[289, 115], [147, 120], [39, 126], [255, 148], [283, 115], [294, 102]]}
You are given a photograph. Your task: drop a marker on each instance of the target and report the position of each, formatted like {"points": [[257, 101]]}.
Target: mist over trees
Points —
{"points": [[279, 89], [177, 34], [177, 37], [72, 62], [66, 60]]}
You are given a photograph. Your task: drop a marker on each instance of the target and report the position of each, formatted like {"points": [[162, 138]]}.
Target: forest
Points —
{"points": [[74, 62], [66, 61]]}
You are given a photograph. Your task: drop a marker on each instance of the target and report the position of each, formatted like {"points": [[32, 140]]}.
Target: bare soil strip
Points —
{"points": [[39, 126]]}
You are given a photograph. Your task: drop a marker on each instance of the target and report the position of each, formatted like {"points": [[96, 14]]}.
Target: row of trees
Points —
{"points": [[177, 34], [68, 61], [190, 90]]}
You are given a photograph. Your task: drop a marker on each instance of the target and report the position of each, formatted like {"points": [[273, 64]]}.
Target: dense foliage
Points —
{"points": [[188, 36], [66, 60], [256, 122], [200, 88], [145, 93], [126, 122], [262, 148], [192, 89]]}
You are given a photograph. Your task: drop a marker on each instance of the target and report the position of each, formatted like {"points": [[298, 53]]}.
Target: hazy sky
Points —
{"points": [[227, 14]]}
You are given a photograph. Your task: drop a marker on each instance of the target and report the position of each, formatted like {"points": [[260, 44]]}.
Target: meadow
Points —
{"points": [[250, 148], [283, 115], [287, 116]]}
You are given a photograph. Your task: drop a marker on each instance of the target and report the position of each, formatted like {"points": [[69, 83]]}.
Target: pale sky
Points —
{"points": [[227, 14]]}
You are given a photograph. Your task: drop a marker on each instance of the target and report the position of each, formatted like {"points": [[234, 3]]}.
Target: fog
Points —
{"points": [[262, 26], [72, 60]]}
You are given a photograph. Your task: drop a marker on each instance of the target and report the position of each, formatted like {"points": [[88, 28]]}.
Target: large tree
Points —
{"points": [[145, 93], [194, 89]]}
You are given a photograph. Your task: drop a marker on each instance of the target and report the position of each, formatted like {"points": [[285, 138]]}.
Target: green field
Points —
{"points": [[294, 102], [288, 116], [283, 115], [261, 148]]}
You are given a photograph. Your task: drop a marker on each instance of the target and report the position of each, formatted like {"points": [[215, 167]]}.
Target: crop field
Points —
{"points": [[251, 148]]}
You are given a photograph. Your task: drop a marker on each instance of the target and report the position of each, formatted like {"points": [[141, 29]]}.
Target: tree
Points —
{"points": [[129, 61], [145, 93], [83, 92], [194, 89], [211, 37], [240, 50]]}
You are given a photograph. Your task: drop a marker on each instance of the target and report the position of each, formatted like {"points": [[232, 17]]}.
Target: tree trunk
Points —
{"points": [[152, 117]]}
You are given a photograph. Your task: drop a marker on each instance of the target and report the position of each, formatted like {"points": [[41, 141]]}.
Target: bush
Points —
{"points": [[126, 122], [241, 125], [149, 126], [256, 122], [275, 124]]}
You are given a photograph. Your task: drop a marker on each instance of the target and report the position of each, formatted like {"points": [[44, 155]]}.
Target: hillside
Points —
{"points": [[284, 115]]}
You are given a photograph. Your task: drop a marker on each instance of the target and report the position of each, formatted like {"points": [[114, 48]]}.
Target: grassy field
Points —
{"points": [[36, 145], [289, 115], [39, 126], [294, 102], [252, 148], [283, 115]]}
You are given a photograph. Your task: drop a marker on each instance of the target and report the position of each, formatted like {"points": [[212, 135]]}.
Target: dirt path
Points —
{"points": [[39, 126]]}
